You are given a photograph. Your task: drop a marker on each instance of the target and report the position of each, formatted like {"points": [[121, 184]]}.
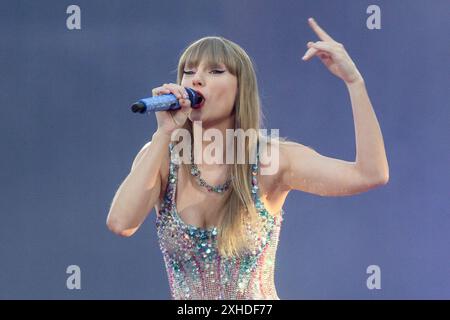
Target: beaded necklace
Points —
{"points": [[221, 188]]}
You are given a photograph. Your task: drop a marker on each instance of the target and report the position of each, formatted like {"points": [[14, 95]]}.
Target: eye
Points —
{"points": [[215, 71]]}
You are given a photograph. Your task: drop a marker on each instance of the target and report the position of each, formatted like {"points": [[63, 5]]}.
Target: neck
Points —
{"points": [[222, 126]]}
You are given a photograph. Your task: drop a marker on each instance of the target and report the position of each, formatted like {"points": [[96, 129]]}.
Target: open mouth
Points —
{"points": [[201, 101]]}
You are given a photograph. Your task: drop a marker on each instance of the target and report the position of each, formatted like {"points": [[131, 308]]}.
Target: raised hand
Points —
{"points": [[332, 54]]}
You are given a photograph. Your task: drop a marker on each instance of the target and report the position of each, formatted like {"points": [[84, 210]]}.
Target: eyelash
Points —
{"points": [[191, 72]]}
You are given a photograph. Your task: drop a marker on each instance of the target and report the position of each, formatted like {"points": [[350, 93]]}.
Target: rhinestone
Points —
{"points": [[196, 269]]}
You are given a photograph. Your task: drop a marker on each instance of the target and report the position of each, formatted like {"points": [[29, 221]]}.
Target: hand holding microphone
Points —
{"points": [[173, 103], [167, 101]]}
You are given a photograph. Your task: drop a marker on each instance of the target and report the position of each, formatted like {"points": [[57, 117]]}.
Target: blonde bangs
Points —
{"points": [[211, 50]]}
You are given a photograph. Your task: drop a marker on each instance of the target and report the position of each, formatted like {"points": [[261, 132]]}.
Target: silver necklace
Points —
{"points": [[221, 188]]}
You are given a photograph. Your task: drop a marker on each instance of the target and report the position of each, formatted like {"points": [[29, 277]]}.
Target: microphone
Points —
{"points": [[166, 102]]}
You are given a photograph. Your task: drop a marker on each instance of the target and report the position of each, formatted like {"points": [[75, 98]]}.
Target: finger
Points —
{"points": [[319, 50], [170, 87], [314, 52], [322, 55], [174, 90], [308, 54], [184, 108], [180, 91], [185, 104], [165, 87], [177, 90], [319, 31], [325, 46], [159, 91], [185, 93]]}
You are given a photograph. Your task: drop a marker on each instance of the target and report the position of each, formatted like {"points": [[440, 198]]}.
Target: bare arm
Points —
{"points": [[140, 190], [305, 169], [371, 159]]}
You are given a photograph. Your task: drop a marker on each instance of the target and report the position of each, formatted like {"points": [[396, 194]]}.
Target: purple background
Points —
{"points": [[68, 139]]}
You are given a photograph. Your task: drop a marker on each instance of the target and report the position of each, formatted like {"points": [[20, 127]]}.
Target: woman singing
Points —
{"points": [[218, 223]]}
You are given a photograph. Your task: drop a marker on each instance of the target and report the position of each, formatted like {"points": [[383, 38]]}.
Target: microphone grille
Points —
{"points": [[138, 107]]}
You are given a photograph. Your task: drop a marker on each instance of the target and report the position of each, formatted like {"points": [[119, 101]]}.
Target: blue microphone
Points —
{"points": [[165, 102]]}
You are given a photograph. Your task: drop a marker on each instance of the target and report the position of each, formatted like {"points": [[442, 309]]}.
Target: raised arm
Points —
{"points": [[307, 170]]}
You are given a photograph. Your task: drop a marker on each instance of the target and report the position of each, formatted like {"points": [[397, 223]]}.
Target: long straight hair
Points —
{"points": [[233, 239]]}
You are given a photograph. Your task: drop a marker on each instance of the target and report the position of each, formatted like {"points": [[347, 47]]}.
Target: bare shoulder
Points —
{"points": [[294, 157], [276, 160], [303, 168], [274, 163]]}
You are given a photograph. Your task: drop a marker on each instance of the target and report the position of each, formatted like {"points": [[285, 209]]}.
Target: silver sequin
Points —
{"points": [[194, 267]]}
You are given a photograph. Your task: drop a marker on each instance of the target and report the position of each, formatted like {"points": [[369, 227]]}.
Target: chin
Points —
{"points": [[195, 115]]}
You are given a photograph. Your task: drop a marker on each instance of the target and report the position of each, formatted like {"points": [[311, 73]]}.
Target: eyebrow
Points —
{"points": [[211, 65]]}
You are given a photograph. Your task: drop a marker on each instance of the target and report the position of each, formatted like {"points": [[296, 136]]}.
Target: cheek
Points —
{"points": [[232, 92], [226, 97], [229, 91]]}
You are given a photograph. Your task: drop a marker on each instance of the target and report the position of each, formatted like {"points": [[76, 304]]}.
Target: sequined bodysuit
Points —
{"points": [[194, 266]]}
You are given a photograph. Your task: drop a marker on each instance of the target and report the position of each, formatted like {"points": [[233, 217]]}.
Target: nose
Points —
{"points": [[197, 80]]}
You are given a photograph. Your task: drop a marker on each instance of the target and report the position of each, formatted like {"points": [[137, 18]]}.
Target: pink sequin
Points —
{"points": [[194, 267]]}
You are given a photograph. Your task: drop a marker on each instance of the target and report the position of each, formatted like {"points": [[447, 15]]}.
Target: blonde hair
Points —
{"points": [[232, 237]]}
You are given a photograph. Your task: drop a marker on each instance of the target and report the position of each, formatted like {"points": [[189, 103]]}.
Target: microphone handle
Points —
{"points": [[164, 102], [158, 103]]}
